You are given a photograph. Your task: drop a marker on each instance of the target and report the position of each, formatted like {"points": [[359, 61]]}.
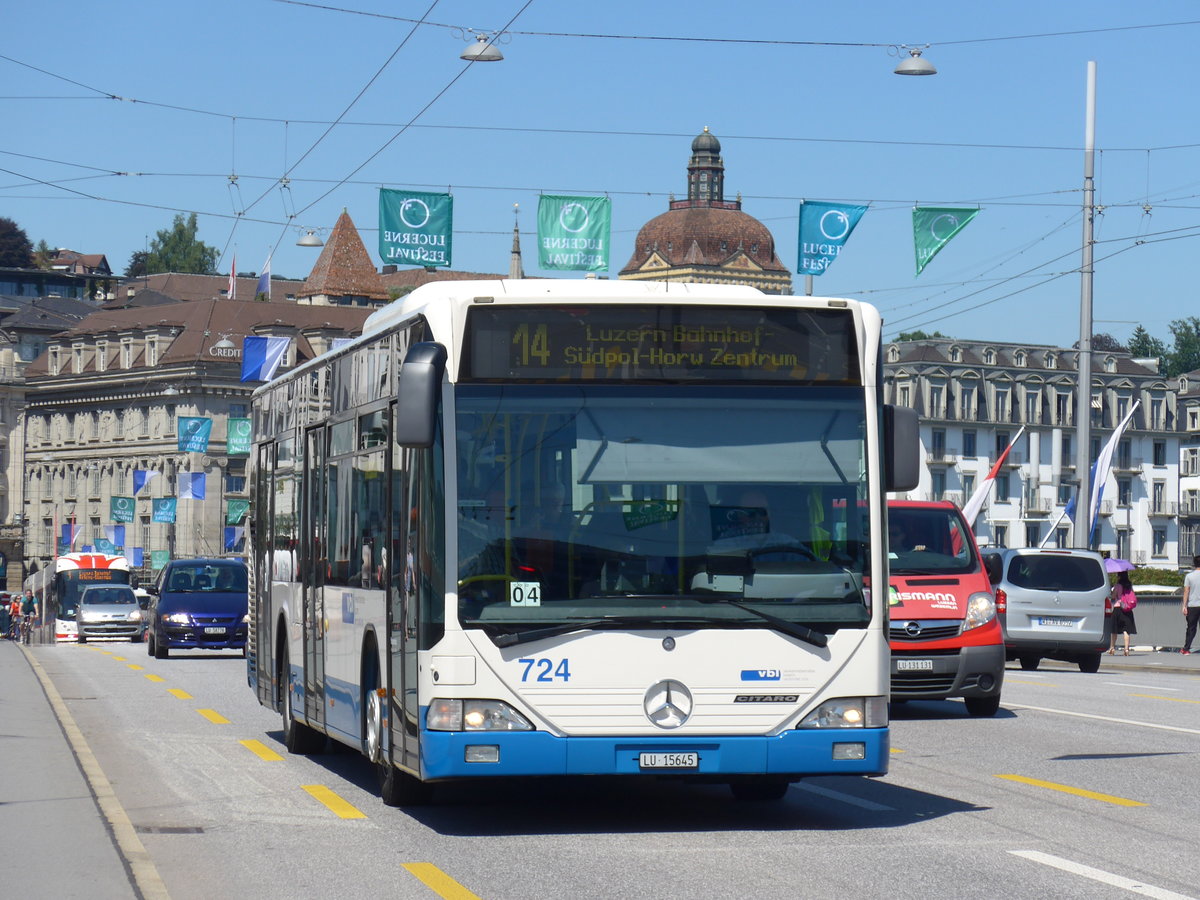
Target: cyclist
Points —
{"points": [[29, 613]]}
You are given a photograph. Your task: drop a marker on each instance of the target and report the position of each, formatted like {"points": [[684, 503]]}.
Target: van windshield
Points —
{"points": [[929, 541], [109, 596], [1056, 573]]}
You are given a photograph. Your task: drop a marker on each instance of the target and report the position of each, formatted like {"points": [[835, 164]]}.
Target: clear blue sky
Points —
{"points": [[247, 87]]}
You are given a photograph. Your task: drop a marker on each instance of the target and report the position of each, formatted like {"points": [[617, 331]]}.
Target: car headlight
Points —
{"points": [[176, 618], [981, 609], [848, 712], [135, 616], [474, 715], [89, 616]]}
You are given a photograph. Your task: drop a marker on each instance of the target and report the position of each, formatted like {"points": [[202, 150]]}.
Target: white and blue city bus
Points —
{"points": [[551, 527]]}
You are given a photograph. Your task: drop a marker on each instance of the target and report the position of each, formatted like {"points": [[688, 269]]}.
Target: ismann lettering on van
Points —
{"points": [[945, 637]]}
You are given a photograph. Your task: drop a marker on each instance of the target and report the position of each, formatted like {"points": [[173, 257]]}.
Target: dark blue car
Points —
{"points": [[198, 604]]}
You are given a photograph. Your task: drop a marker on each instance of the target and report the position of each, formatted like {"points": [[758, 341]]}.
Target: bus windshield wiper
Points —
{"points": [[511, 638], [794, 629]]}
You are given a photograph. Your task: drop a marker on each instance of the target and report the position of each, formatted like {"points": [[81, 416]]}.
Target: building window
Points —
{"points": [[238, 410], [126, 353], [1160, 453], [956, 354], [938, 479], [77, 359], [1160, 542], [1001, 532], [1193, 419], [905, 395], [1032, 406], [1002, 488], [968, 482], [1002, 406], [938, 436], [1124, 457], [1060, 538], [935, 400], [989, 357], [1067, 459], [1123, 543], [893, 354], [1051, 361], [966, 403], [151, 351], [1033, 535], [1062, 409], [1065, 492], [1110, 364], [1019, 358], [969, 449], [234, 484], [54, 361], [1124, 491], [101, 356], [1002, 438]]}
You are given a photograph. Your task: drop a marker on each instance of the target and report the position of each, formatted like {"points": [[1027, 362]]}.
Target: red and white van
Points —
{"points": [[945, 636]]}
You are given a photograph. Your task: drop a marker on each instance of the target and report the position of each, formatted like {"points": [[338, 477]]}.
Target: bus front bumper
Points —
{"points": [[793, 754]]}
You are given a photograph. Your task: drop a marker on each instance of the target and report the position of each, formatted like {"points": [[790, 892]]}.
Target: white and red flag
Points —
{"points": [[975, 504]]}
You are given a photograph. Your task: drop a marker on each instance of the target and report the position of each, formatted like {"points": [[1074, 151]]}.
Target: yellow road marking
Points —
{"points": [[439, 882], [119, 658], [896, 750], [181, 694], [342, 808], [261, 750], [153, 677], [136, 667], [1156, 697], [1067, 789], [213, 716]]}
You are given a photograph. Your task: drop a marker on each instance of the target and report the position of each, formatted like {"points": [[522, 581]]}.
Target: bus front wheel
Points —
{"points": [[297, 737], [401, 789]]}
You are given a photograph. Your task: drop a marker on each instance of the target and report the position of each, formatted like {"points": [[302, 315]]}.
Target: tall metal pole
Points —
{"points": [[1083, 422]]}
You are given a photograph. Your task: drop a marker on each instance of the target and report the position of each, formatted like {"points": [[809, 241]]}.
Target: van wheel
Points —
{"points": [[1090, 663], [1030, 661], [160, 652], [982, 707]]}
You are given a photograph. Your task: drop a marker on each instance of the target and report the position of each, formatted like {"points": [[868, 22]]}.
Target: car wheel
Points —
{"points": [[297, 737], [150, 643], [759, 790], [1030, 661], [136, 639], [981, 707], [1090, 663], [160, 652]]}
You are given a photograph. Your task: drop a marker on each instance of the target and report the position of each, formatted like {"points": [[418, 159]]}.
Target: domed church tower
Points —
{"points": [[707, 238]]}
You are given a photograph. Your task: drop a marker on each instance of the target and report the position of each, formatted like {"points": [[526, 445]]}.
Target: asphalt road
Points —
{"points": [[1084, 786]]}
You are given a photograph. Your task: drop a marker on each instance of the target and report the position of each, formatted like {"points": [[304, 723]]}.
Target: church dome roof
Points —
{"points": [[706, 142], [704, 236]]}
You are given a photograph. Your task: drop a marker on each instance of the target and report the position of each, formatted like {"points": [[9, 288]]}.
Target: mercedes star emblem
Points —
{"points": [[668, 704]]}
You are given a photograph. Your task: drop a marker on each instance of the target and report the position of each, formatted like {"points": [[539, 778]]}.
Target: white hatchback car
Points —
{"points": [[1053, 604]]}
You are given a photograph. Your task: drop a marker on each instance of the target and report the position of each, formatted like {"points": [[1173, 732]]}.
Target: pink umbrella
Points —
{"points": [[1117, 565]]}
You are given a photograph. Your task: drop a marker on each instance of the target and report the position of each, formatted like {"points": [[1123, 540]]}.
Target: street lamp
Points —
{"points": [[915, 64], [1083, 407]]}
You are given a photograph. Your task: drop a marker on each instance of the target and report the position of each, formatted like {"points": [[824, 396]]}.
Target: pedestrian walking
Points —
{"points": [[1191, 604], [1123, 602]]}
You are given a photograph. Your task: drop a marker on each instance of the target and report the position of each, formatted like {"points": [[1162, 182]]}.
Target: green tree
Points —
{"points": [[15, 250], [1185, 355], [43, 255], [1142, 346], [177, 249], [919, 336], [137, 264], [1105, 343]]}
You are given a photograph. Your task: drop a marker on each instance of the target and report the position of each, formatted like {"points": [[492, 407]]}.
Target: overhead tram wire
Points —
{"points": [[287, 173], [418, 115]]}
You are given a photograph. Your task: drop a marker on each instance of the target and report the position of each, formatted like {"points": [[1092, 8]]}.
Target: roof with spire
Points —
{"points": [[344, 268]]}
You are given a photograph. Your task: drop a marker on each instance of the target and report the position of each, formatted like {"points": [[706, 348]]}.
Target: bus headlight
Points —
{"points": [[474, 715], [848, 712], [981, 609]]}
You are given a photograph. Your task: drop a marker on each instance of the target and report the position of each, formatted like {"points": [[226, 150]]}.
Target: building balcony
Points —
{"points": [[1039, 506], [1164, 508], [1140, 557], [1189, 508], [1106, 507], [940, 456], [1014, 459], [1127, 464]]}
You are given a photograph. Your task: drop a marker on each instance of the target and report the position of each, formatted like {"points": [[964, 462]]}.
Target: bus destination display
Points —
{"points": [[673, 343]]}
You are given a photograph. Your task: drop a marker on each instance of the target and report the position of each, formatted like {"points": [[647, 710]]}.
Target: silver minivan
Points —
{"points": [[1052, 604], [109, 611]]}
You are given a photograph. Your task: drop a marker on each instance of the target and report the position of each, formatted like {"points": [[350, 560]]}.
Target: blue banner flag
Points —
{"points": [[141, 478], [139, 556], [194, 432], [263, 288], [824, 230], [191, 486], [261, 356], [115, 535]]}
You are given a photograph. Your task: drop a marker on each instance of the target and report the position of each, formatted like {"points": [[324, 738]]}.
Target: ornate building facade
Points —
{"points": [[973, 397], [707, 239]]}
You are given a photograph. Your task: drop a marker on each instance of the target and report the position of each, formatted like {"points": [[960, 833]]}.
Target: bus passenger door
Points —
{"points": [[401, 712], [315, 538]]}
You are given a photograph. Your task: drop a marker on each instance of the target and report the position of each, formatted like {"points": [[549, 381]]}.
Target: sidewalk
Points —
{"points": [[57, 843], [1148, 659]]}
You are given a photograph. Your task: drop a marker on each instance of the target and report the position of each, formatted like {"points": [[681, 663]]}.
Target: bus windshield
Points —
{"points": [[72, 582], [659, 504]]}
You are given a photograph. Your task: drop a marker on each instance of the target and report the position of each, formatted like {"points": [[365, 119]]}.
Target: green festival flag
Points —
{"points": [[237, 437], [573, 232], [120, 509], [934, 226], [235, 510], [415, 228], [159, 558]]}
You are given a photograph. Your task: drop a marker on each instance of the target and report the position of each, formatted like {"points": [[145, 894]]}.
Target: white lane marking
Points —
{"points": [[844, 798], [1066, 865], [1144, 687], [1079, 715]]}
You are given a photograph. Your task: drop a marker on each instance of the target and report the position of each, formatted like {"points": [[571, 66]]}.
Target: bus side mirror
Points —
{"points": [[417, 396], [901, 448]]}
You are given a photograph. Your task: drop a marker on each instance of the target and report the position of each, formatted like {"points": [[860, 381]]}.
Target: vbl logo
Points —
{"points": [[761, 674]]}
